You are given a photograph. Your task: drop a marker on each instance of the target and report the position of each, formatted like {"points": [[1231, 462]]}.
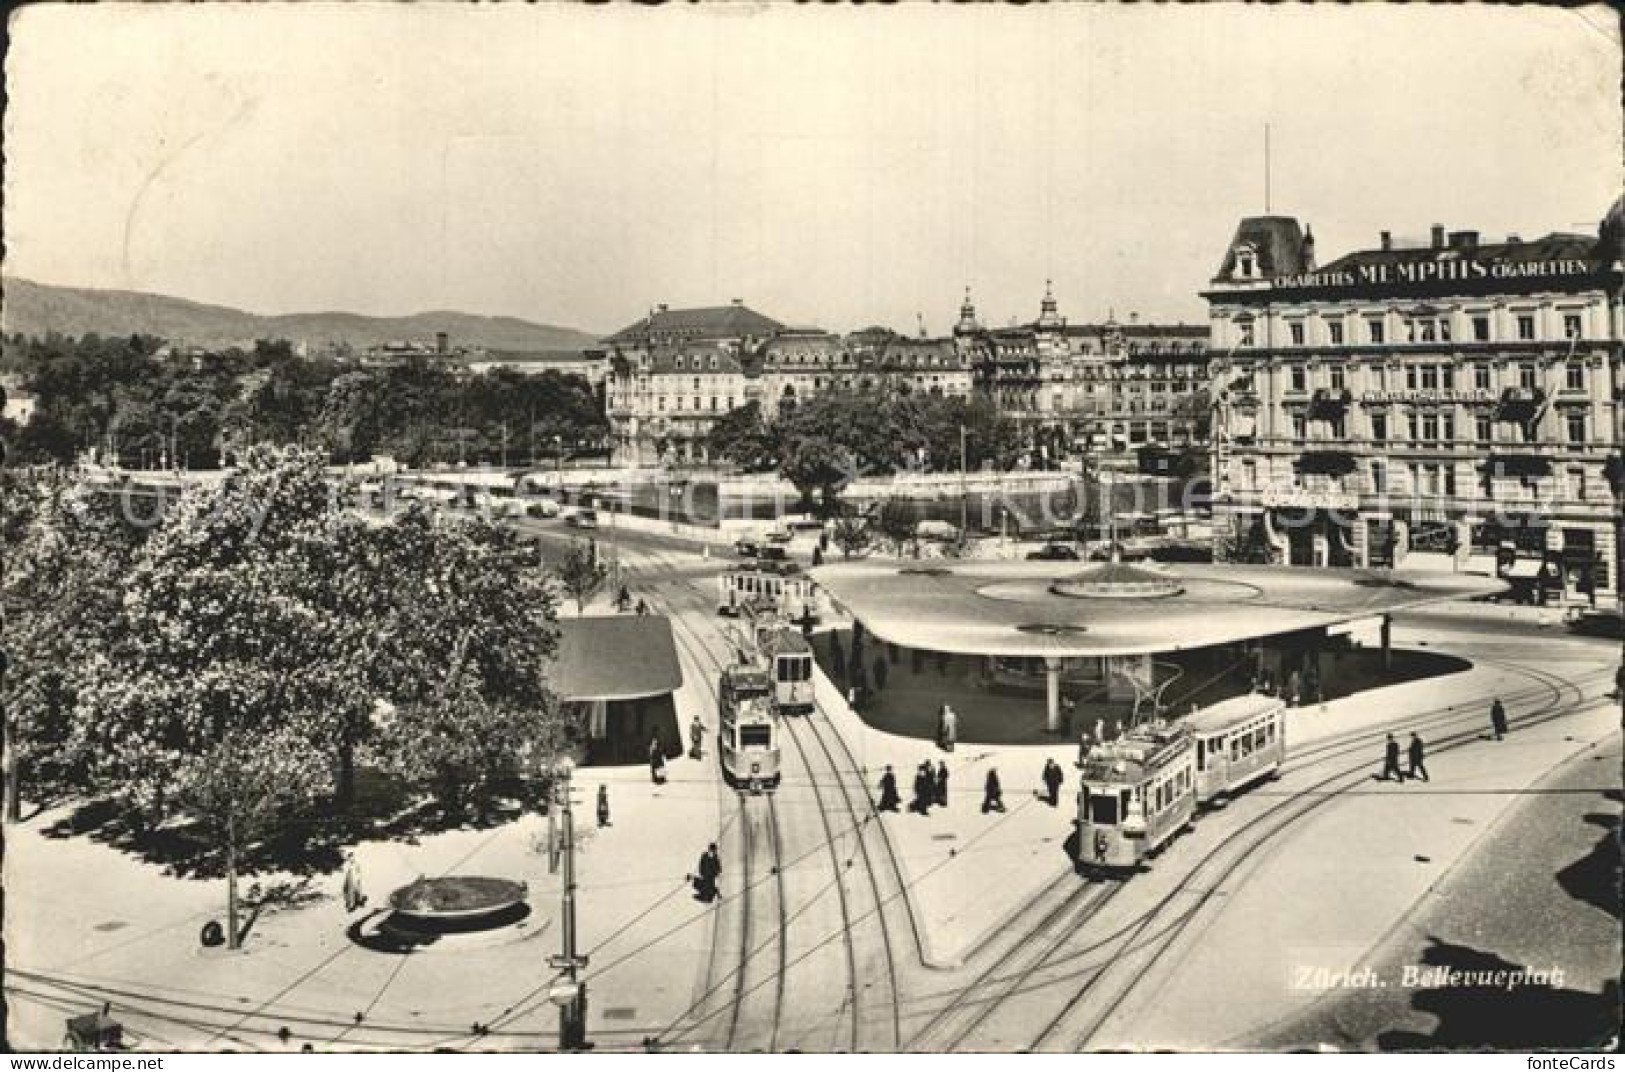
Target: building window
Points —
{"points": [[1481, 329], [1249, 473], [1483, 429], [1430, 427], [1576, 423], [1379, 427], [1296, 329], [1571, 325], [1246, 263], [1334, 332], [1297, 427], [1430, 377], [1447, 427], [1413, 428], [1337, 377], [1379, 477], [1244, 333], [1526, 326], [1577, 483], [1447, 377], [1481, 377], [677, 363], [1298, 380], [1574, 376], [1373, 330], [1411, 383], [1526, 376]]}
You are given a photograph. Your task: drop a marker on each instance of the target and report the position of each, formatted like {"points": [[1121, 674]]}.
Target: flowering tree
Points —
{"points": [[65, 550]]}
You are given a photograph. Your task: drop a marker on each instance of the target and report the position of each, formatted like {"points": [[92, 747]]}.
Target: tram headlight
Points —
{"points": [[756, 768]]}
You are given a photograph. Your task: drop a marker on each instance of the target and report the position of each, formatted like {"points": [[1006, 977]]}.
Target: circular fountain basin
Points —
{"points": [[458, 900]]}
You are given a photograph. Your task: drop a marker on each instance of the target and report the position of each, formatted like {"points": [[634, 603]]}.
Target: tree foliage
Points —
{"points": [[581, 573]]}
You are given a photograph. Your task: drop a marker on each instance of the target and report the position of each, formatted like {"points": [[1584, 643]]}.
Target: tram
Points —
{"points": [[748, 737], [780, 588], [1238, 742], [792, 661], [1137, 792]]}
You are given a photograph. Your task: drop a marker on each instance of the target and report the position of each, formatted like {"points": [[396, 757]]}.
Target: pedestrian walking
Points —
{"points": [[708, 871], [1052, 781], [623, 600], [942, 785], [950, 728], [657, 762], [888, 791], [992, 793], [1498, 718], [1100, 730], [1390, 761], [696, 738], [603, 805], [643, 609], [1083, 747], [924, 789], [1418, 768]]}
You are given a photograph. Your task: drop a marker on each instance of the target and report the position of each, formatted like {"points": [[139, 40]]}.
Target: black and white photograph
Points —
{"points": [[770, 528]]}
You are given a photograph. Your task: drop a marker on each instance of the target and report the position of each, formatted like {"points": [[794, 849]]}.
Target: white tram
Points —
{"points": [[778, 587], [792, 661], [1136, 793], [1238, 741], [748, 737]]}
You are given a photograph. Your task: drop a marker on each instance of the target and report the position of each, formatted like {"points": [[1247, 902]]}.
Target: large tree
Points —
{"points": [[66, 550]]}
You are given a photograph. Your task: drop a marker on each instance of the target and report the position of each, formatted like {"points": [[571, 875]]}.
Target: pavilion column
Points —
{"points": [[1052, 694], [1387, 641]]}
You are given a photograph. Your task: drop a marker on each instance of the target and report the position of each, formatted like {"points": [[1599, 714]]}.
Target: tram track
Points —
{"points": [[1016, 976]]}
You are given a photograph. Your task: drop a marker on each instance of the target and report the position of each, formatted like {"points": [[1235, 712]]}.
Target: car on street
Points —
{"points": [[583, 519], [772, 553], [1054, 552], [745, 547]]}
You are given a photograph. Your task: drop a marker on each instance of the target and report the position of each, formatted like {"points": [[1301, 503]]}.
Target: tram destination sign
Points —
{"points": [[1434, 271]]}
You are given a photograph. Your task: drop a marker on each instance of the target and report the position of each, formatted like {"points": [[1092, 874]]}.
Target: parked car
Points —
{"points": [[772, 553], [1598, 623], [745, 547], [583, 519], [542, 508], [1054, 552], [780, 537]]}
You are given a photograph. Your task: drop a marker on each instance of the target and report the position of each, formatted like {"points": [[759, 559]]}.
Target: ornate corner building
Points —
{"points": [[1448, 404]]}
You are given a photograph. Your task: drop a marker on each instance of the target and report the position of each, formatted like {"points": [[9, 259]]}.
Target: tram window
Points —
{"points": [[1201, 754], [1102, 810], [755, 736]]}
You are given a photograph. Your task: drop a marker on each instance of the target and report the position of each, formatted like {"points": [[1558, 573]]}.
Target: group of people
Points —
{"points": [[931, 788], [623, 602], [1415, 752]]}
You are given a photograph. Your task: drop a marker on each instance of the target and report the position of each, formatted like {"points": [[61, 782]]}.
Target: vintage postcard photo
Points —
{"points": [[764, 528]]}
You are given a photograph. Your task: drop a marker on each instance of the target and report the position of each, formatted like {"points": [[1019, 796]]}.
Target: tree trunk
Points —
{"points": [[233, 938], [14, 802], [344, 791]]}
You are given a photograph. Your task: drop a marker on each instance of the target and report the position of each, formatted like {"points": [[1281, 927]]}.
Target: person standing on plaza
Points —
{"points": [[1083, 747], [657, 762], [696, 738], [942, 785], [709, 870], [1418, 768], [1390, 761], [888, 791], [1100, 730], [603, 805], [950, 728], [1052, 781], [1498, 718], [992, 793], [924, 791]]}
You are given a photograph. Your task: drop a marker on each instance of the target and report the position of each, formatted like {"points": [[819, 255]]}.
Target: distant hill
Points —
{"points": [[36, 308]]}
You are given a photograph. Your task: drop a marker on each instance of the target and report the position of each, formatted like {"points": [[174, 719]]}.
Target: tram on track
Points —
{"points": [[748, 733], [779, 587], [1138, 792], [791, 658]]}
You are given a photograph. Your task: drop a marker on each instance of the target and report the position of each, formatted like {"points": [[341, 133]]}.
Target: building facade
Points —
{"points": [[1448, 404], [1104, 388]]}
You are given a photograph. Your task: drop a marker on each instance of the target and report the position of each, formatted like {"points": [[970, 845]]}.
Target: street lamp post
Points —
{"points": [[964, 493], [571, 995]]}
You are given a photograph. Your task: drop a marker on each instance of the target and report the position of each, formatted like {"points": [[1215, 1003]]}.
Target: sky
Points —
{"points": [[829, 166]]}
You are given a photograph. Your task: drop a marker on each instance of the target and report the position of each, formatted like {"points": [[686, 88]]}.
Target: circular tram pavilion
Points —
{"points": [[1104, 623]]}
